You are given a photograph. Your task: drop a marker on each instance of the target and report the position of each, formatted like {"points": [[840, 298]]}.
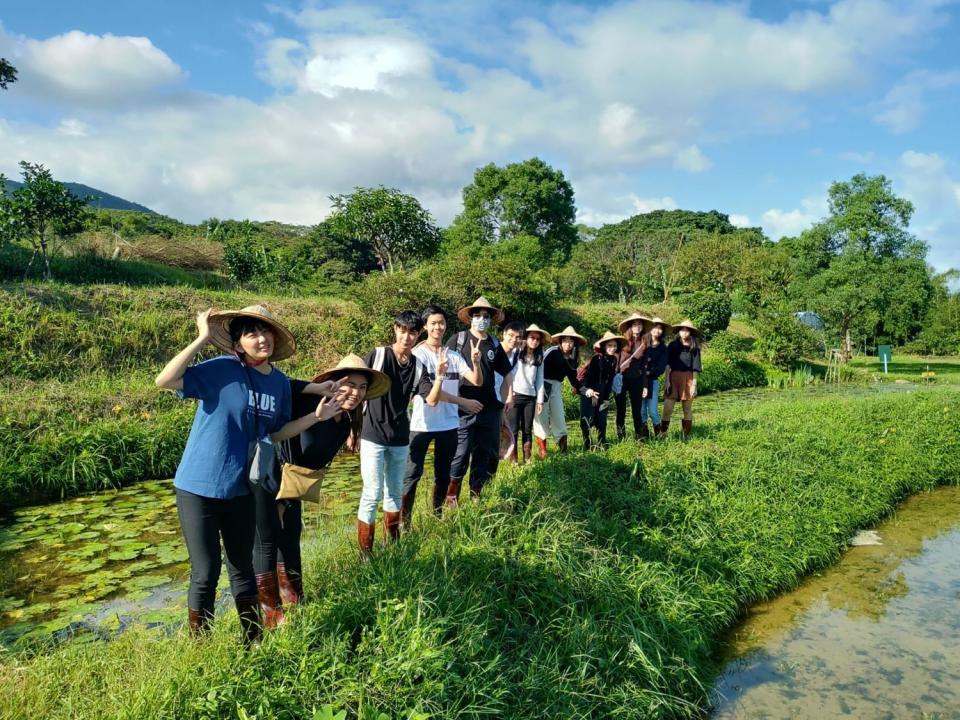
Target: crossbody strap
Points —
{"points": [[256, 402]]}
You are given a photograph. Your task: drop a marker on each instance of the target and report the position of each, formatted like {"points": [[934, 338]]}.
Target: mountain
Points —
{"points": [[100, 198]]}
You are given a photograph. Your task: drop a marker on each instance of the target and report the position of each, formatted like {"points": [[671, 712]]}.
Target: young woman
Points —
{"points": [[243, 399], [597, 384], [559, 362], [683, 364], [634, 329], [528, 394], [653, 363], [276, 555]]}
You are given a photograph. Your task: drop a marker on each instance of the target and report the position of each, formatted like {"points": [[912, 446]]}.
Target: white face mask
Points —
{"points": [[479, 323]]}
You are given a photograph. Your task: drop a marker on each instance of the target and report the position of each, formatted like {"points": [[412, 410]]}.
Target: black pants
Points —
{"points": [[591, 416], [478, 447], [277, 538], [520, 417], [444, 448], [632, 387], [205, 521]]}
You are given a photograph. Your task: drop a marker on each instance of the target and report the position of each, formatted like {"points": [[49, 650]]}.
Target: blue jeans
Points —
{"points": [[648, 408], [382, 468]]}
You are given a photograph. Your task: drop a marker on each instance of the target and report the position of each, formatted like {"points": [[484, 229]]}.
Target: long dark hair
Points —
{"points": [[537, 354]]}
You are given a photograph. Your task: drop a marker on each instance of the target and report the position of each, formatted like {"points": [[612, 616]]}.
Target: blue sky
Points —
{"points": [[262, 110]]}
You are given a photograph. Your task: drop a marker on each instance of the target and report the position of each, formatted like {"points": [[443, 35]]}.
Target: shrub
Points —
{"points": [[784, 340], [710, 310], [724, 374], [729, 345]]}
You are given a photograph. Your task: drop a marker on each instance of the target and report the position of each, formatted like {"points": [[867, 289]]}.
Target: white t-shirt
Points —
{"points": [[444, 416]]}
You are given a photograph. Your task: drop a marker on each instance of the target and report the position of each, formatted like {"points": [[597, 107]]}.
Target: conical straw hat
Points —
{"points": [[545, 337], [689, 326], [283, 342], [481, 303], [607, 337], [624, 324], [379, 382], [667, 327], [569, 332]]}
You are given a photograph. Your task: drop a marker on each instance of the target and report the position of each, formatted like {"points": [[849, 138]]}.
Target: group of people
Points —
{"points": [[260, 441]]}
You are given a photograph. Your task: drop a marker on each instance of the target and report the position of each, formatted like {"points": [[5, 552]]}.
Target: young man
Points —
{"points": [[436, 408], [385, 436], [478, 434]]}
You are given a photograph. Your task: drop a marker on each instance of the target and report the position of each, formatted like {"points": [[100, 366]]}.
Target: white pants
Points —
{"points": [[382, 468], [550, 420]]}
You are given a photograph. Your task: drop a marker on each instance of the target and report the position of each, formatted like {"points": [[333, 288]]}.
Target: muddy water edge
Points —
{"points": [[874, 636]]}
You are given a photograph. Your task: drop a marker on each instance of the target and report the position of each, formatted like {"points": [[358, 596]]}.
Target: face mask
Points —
{"points": [[480, 324]]}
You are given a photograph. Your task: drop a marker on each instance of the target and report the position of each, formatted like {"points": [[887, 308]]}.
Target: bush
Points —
{"points": [[724, 374], [783, 340], [710, 310], [729, 345]]}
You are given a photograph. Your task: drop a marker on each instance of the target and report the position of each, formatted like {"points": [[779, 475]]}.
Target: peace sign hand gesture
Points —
{"points": [[327, 408], [474, 352], [442, 364]]}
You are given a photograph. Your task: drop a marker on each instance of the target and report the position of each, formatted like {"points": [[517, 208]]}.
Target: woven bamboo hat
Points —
{"points": [[569, 332], [283, 343], [667, 327], [545, 337], [626, 323], [607, 337], [481, 303], [689, 326], [379, 382]]}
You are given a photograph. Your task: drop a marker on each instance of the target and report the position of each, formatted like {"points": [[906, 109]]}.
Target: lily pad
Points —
{"points": [[138, 595], [88, 566], [150, 581], [88, 535], [71, 527], [123, 555]]}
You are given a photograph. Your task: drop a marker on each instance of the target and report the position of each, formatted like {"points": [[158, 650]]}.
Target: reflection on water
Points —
{"points": [[875, 636]]}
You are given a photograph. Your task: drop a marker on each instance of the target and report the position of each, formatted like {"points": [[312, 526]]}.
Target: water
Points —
{"points": [[875, 636]]}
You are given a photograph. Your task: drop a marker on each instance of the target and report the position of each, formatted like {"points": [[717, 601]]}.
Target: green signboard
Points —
{"points": [[885, 353]]}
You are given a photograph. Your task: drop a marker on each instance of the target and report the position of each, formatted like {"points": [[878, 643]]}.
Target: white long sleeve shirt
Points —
{"points": [[528, 380]]}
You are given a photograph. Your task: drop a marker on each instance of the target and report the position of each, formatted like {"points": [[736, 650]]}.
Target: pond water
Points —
{"points": [[874, 636]]}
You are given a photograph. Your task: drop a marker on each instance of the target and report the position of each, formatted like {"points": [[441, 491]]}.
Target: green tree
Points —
{"points": [[8, 73], [524, 198], [39, 211], [393, 224]]}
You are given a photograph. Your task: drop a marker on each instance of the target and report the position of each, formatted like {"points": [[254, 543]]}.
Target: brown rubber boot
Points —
{"points": [[268, 589], [562, 444], [406, 511], [438, 496], [686, 426], [199, 621], [527, 451], [291, 585], [644, 432], [391, 526], [664, 426], [512, 454], [453, 493], [248, 608], [365, 533], [542, 448]]}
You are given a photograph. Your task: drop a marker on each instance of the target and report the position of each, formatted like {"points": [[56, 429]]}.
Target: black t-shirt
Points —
{"points": [[654, 362], [316, 446], [385, 420], [492, 359], [557, 367], [684, 358]]}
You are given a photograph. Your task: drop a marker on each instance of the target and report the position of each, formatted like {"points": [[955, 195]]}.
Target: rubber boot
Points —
{"points": [[512, 454], [585, 429], [527, 451], [268, 589], [291, 585], [542, 448], [199, 621], [685, 425], [438, 496], [391, 526], [621, 433], [248, 609], [561, 444], [453, 493], [644, 432], [406, 510], [365, 533], [664, 427]]}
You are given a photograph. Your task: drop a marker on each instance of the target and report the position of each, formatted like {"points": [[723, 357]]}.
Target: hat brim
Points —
{"points": [[379, 382], [463, 314], [284, 345], [578, 339], [603, 341], [545, 337], [625, 324], [678, 328]]}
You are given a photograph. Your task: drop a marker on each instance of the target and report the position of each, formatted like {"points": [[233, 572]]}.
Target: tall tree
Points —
{"points": [[524, 198], [8, 73], [40, 210], [393, 224]]}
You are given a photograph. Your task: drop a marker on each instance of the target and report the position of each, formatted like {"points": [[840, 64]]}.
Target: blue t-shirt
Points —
{"points": [[214, 463]]}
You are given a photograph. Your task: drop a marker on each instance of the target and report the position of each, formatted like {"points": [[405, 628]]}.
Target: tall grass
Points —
{"points": [[590, 585]]}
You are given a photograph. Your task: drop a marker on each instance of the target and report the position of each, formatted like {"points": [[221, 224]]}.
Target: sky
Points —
{"points": [[262, 110]]}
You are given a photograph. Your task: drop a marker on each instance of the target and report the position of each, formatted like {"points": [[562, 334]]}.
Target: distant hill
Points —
{"points": [[100, 199]]}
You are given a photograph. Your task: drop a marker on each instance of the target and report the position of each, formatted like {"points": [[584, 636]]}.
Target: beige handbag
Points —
{"points": [[300, 483]]}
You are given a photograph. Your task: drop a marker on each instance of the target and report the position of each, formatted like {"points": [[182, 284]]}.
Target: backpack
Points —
{"points": [[379, 357], [462, 341]]}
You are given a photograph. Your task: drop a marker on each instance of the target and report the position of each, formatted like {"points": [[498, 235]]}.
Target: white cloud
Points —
{"points": [[777, 223], [740, 221], [692, 160], [80, 68], [625, 206], [860, 158], [904, 106], [935, 194]]}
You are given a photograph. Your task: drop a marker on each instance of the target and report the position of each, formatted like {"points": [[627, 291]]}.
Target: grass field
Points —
{"points": [[591, 585], [912, 368]]}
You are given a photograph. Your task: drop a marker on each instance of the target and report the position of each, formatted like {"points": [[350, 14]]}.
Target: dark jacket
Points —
{"points": [[635, 368], [600, 373], [557, 367], [654, 362], [684, 358]]}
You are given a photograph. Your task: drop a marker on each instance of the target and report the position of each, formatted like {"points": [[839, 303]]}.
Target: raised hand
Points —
{"points": [[474, 352], [442, 363], [203, 324], [329, 388], [327, 408]]}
